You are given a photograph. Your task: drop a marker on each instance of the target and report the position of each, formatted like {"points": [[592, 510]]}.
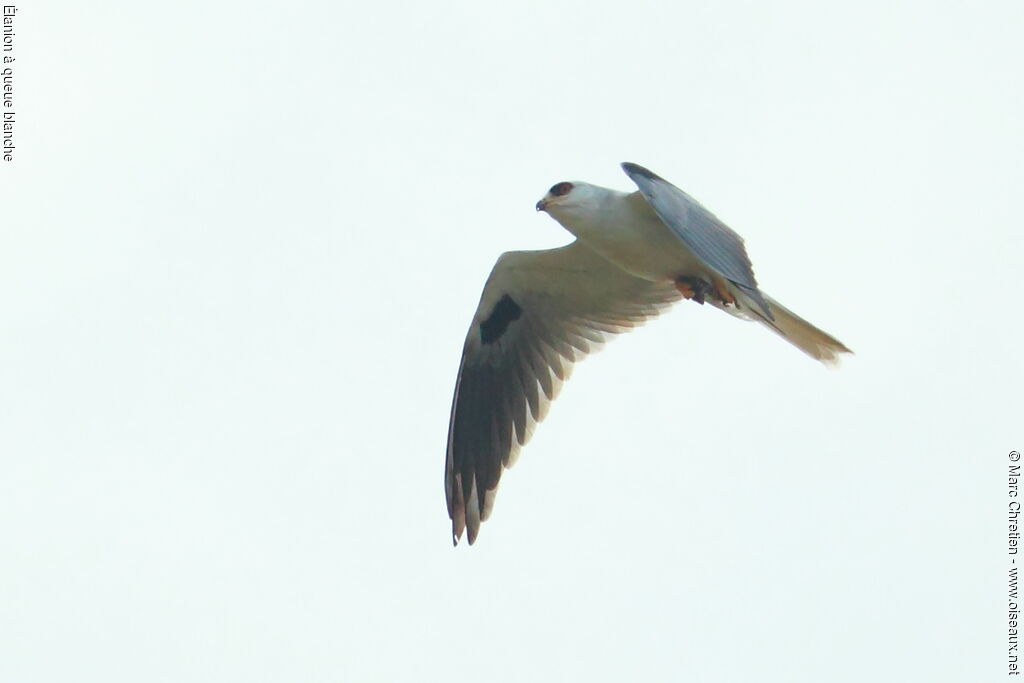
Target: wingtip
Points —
{"points": [[630, 168], [459, 528]]}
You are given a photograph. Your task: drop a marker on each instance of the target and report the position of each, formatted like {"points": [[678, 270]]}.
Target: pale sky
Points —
{"points": [[240, 246]]}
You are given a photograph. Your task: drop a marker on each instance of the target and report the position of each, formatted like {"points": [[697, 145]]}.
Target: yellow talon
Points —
{"points": [[722, 292], [686, 290]]}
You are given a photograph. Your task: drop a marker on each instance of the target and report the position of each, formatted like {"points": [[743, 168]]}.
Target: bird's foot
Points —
{"points": [[722, 292], [693, 288]]}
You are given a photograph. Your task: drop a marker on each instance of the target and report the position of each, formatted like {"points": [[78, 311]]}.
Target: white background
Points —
{"points": [[240, 245]]}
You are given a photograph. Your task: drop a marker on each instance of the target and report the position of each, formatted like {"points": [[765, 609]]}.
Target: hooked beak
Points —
{"points": [[542, 204]]}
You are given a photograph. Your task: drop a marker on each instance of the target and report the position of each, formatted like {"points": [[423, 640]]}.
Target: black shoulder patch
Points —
{"points": [[505, 311]]}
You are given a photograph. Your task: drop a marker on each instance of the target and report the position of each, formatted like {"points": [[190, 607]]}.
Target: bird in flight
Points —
{"points": [[634, 255]]}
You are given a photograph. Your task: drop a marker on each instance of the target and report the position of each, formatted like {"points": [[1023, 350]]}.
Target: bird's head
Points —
{"points": [[566, 201]]}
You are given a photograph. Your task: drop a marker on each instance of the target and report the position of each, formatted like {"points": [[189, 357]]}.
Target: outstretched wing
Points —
{"points": [[711, 240], [539, 313]]}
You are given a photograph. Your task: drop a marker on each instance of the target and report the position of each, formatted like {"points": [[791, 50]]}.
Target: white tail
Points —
{"points": [[815, 343]]}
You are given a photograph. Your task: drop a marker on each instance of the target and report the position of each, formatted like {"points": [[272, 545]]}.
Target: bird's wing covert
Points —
{"points": [[711, 240]]}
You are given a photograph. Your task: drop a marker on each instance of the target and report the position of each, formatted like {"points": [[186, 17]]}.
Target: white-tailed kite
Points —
{"points": [[634, 255]]}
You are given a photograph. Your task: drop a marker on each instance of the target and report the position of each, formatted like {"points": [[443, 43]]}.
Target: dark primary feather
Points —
{"points": [[711, 240], [550, 308]]}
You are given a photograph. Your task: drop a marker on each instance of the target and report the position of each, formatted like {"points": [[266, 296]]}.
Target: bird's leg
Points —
{"points": [[693, 288], [722, 292]]}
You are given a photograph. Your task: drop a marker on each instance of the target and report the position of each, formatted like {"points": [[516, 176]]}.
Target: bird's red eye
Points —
{"points": [[561, 189]]}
